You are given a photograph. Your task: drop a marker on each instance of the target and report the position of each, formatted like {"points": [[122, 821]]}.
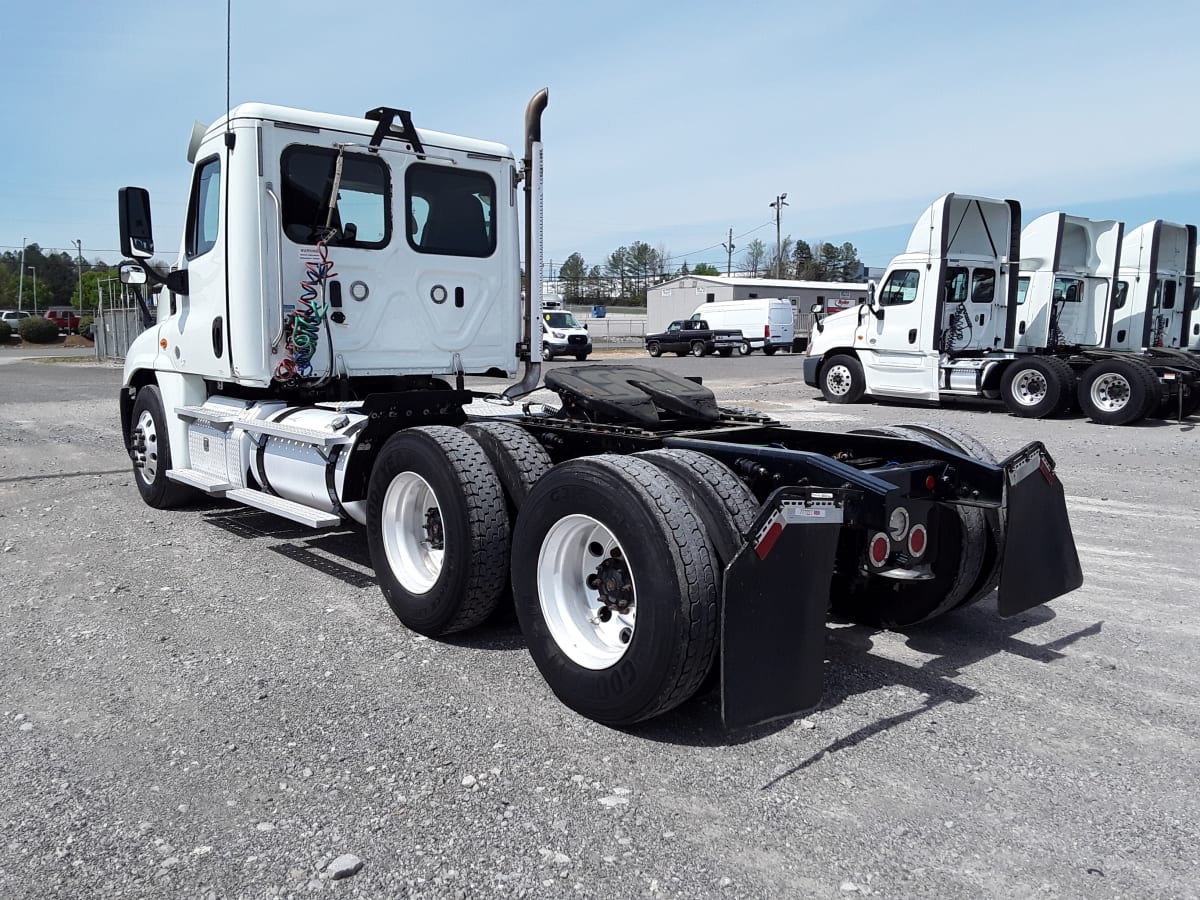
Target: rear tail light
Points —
{"points": [[766, 331], [878, 550], [918, 540]]}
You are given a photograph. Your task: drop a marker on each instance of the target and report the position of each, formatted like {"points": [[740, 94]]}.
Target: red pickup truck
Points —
{"points": [[65, 317]]}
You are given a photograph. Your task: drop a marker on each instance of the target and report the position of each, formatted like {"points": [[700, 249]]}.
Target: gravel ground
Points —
{"points": [[214, 703]]}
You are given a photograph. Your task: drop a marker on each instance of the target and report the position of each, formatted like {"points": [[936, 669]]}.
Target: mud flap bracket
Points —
{"points": [[774, 604]]}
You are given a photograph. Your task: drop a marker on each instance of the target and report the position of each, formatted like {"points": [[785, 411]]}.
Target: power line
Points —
{"points": [[719, 243]]}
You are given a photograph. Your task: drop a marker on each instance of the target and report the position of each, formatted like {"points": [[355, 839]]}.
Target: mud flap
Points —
{"points": [[1040, 559], [774, 604]]}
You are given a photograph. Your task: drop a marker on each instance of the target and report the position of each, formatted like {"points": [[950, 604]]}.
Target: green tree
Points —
{"points": [[803, 264], [573, 276], [705, 269], [684, 270], [849, 263], [95, 282], [617, 266]]}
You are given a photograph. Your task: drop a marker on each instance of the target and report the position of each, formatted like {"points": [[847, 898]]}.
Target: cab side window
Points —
{"points": [[900, 288], [1122, 294], [204, 208]]}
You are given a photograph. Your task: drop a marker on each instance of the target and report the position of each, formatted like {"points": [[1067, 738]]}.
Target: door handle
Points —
{"points": [[912, 335]]}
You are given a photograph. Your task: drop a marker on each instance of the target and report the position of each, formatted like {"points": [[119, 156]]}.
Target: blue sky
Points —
{"points": [[668, 123]]}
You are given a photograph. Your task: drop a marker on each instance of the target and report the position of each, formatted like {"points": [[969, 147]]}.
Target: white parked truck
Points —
{"points": [[1158, 261], [342, 276], [957, 318], [766, 323]]}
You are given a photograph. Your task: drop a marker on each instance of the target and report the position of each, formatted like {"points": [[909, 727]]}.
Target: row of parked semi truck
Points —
{"points": [[1066, 312]]}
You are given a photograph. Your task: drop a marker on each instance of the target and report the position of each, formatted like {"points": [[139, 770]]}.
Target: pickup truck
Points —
{"points": [[693, 336]]}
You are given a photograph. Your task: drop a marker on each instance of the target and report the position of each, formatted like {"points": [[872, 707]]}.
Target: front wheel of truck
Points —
{"points": [[150, 450], [842, 379]]}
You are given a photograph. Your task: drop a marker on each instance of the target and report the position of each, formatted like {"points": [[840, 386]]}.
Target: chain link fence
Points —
{"points": [[114, 330]]}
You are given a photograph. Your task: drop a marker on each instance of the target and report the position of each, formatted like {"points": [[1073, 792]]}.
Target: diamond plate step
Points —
{"points": [[297, 512], [210, 484], [224, 421]]}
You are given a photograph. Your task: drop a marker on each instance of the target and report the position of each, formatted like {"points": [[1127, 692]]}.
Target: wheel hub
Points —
{"points": [[143, 446], [587, 591], [838, 380], [435, 535], [1110, 392], [1029, 388]]}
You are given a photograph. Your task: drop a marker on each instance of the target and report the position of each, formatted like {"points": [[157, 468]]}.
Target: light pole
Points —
{"points": [[33, 269], [79, 269], [21, 280], [778, 205], [729, 248]]}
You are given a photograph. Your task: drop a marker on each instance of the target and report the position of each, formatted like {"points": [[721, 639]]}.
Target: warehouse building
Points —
{"points": [[682, 296]]}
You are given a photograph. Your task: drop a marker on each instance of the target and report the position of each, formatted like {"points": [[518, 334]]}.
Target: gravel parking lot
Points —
{"points": [[214, 703]]}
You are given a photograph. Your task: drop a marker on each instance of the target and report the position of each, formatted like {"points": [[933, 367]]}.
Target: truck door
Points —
{"points": [[895, 346], [195, 330]]}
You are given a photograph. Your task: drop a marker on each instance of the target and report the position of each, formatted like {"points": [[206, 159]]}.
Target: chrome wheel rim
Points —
{"points": [[838, 380], [578, 556], [413, 540], [1029, 387], [145, 444], [1110, 392]]}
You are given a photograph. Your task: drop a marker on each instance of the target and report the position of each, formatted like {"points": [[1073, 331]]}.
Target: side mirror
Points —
{"points": [[585, 328], [132, 274], [871, 292], [817, 309], [137, 234]]}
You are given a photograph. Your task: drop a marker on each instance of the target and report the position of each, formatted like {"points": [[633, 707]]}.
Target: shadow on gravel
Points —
{"points": [[955, 642]]}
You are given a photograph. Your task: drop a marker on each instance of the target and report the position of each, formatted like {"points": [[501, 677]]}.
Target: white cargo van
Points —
{"points": [[766, 323]]}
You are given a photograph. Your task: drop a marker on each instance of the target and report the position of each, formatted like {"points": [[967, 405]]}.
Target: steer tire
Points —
{"points": [[460, 589], [1119, 392], [149, 424], [842, 379], [654, 349], [617, 512], [721, 499], [1037, 387]]}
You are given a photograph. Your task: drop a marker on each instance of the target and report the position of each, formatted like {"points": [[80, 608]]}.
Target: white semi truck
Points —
{"points": [[975, 309], [339, 280]]}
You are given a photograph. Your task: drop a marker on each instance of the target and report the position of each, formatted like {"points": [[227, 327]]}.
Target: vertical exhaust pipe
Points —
{"points": [[532, 282]]}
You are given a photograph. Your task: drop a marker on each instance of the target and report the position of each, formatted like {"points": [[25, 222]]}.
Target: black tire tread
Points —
{"points": [[517, 457], [719, 497], [164, 494], [487, 519], [1137, 371]]}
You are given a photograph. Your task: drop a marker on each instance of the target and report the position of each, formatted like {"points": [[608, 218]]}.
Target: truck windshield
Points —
{"points": [[561, 320]]}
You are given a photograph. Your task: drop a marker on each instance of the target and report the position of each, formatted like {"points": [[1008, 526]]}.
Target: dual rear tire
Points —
{"points": [[1119, 392], [1038, 387]]}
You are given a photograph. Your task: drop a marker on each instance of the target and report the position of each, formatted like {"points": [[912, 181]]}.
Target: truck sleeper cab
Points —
{"points": [[649, 536]]}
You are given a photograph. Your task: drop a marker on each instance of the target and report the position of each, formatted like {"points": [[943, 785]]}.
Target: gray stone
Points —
{"points": [[344, 866]]}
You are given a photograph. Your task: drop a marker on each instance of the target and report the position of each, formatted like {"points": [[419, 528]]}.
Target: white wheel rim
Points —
{"points": [[1110, 392], [1029, 387], [148, 456], [838, 380], [588, 631], [412, 556]]}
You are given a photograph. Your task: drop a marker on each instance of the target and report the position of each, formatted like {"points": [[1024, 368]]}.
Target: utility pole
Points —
{"points": [[21, 280], [729, 248], [778, 205], [33, 269], [79, 269]]}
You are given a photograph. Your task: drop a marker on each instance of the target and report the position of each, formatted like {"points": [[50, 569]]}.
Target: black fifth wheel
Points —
{"points": [[615, 588]]}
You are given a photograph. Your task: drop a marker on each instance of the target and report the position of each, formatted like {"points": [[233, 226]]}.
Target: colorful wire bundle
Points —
{"points": [[304, 326]]}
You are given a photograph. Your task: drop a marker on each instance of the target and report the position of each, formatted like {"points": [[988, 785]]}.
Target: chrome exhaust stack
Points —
{"points": [[533, 243]]}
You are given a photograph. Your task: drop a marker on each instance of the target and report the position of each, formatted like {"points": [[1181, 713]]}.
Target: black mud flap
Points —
{"points": [[774, 605], [1040, 559]]}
